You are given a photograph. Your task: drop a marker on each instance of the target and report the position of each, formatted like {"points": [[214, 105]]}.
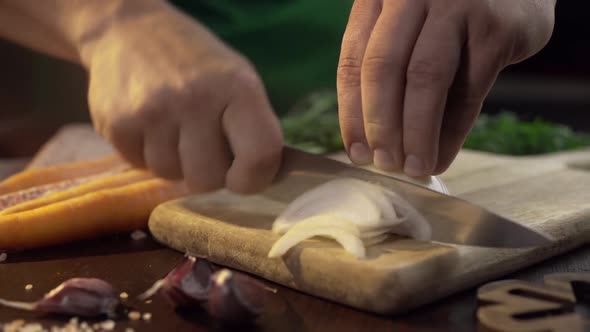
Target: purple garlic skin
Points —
{"points": [[186, 285], [79, 296], [86, 297], [236, 298]]}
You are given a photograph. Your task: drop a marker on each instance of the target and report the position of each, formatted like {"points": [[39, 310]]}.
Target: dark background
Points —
{"points": [[38, 93]]}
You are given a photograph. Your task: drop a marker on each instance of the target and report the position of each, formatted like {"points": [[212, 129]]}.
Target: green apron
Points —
{"points": [[294, 44]]}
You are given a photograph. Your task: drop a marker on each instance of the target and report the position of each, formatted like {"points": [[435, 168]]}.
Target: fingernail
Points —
{"points": [[383, 160], [413, 166], [359, 153]]}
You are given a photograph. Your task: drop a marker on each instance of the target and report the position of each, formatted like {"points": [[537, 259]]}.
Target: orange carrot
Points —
{"points": [[102, 212], [39, 176], [95, 184]]}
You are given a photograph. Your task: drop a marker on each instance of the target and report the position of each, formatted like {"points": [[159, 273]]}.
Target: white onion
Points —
{"points": [[343, 232], [347, 208], [370, 241], [360, 202]]}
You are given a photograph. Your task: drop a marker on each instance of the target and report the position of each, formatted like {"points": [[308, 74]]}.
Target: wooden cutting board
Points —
{"points": [[550, 193]]}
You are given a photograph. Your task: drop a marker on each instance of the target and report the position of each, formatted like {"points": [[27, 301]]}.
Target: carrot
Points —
{"points": [[25, 195], [94, 184], [102, 212], [39, 176]]}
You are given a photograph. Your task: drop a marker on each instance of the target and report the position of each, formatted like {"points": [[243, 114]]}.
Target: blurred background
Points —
{"points": [[38, 94]]}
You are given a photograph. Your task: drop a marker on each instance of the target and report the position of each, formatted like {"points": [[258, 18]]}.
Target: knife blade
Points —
{"points": [[452, 219]]}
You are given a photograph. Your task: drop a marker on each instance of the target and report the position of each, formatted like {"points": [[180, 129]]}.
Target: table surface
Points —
{"points": [[133, 265]]}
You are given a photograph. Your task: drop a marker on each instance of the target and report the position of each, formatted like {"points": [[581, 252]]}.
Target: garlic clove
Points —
{"points": [[347, 239], [88, 297], [186, 285], [236, 298]]}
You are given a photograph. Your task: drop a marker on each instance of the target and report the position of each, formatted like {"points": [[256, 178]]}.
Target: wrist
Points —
{"points": [[91, 27]]}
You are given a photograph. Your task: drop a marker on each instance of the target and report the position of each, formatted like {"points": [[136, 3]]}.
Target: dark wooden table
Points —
{"points": [[133, 265]]}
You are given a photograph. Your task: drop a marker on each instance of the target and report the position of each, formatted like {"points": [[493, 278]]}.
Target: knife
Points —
{"points": [[452, 219]]}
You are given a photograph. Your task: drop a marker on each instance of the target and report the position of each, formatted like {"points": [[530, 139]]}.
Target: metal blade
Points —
{"points": [[453, 220]]}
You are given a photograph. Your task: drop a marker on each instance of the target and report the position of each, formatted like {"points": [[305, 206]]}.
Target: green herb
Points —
{"points": [[506, 134], [312, 125]]}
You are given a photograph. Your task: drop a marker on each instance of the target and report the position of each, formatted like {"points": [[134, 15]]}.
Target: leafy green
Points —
{"points": [[506, 134], [312, 125]]}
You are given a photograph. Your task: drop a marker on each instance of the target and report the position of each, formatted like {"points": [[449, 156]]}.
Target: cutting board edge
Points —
{"points": [[164, 230]]}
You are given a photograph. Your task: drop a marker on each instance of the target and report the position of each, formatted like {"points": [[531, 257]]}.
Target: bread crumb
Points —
{"points": [[3, 257], [32, 327], [146, 316], [124, 295], [14, 326], [108, 325], [138, 235], [29, 287], [148, 301], [134, 315]]}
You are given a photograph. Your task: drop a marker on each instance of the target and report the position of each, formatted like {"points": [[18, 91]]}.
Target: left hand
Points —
{"points": [[413, 74]]}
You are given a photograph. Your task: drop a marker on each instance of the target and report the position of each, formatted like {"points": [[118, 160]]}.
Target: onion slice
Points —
{"points": [[355, 213], [369, 241], [341, 230], [363, 203]]}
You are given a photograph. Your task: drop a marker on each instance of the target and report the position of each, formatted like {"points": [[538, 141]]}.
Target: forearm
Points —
{"points": [[64, 28], [20, 28]]}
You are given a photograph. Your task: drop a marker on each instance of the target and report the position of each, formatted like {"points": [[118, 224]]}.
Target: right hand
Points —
{"points": [[172, 97]]}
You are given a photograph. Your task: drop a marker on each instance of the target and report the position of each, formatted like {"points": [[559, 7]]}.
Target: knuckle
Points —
{"points": [[246, 78], [378, 134], [424, 74], [377, 68], [417, 132], [263, 160], [349, 72]]}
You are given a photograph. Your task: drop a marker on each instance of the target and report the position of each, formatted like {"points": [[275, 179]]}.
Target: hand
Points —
{"points": [[413, 74], [170, 96]]}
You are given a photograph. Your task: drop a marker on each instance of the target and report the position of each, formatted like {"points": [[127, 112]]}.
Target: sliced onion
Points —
{"points": [[413, 223], [326, 220], [352, 212], [346, 238], [369, 241], [363, 203]]}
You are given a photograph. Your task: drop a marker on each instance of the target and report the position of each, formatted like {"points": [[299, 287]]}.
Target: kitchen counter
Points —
{"points": [[133, 265]]}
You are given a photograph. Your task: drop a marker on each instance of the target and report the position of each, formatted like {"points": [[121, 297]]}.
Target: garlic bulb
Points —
{"points": [[352, 212]]}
